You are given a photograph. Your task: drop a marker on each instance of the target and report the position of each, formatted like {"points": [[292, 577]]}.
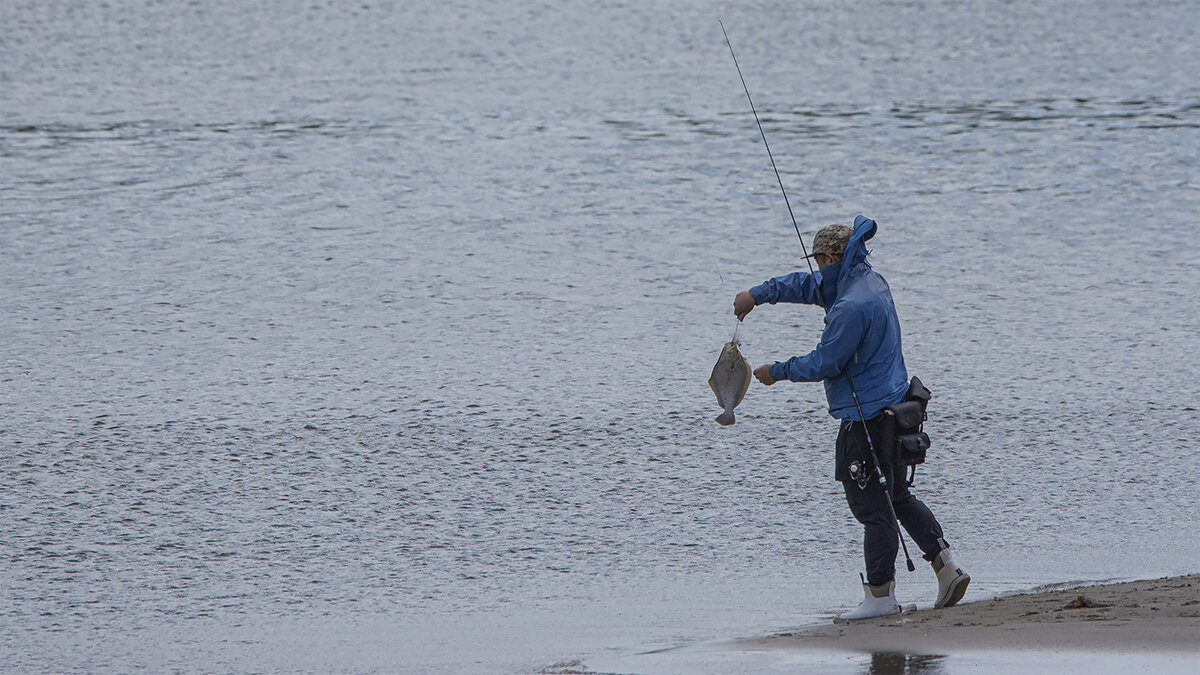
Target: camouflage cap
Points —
{"points": [[831, 240]]}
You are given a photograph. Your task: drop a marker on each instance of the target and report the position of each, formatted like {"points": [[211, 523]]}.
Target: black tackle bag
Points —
{"points": [[907, 440]]}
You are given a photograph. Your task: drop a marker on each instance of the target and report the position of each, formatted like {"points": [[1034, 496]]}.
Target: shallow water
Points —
{"points": [[375, 336], [702, 659]]}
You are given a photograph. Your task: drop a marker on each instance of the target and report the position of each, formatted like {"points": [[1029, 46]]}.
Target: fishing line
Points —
{"points": [[820, 297], [725, 289]]}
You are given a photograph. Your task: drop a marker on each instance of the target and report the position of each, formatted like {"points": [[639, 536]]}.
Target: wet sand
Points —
{"points": [[1153, 615], [1146, 626]]}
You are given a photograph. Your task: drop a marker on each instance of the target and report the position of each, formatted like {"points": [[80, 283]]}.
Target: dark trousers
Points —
{"points": [[869, 505]]}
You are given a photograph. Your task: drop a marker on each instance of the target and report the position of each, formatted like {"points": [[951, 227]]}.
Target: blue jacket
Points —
{"points": [[862, 331]]}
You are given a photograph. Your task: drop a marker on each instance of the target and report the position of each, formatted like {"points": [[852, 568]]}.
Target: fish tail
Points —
{"points": [[726, 418]]}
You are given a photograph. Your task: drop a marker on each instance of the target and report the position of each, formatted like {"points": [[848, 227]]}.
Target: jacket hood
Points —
{"points": [[853, 264], [856, 249]]}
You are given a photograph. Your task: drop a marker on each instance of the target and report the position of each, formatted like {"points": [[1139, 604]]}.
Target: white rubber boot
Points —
{"points": [[877, 601], [952, 580]]}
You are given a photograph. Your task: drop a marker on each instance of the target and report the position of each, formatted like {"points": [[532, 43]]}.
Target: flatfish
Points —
{"points": [[730, 380]]}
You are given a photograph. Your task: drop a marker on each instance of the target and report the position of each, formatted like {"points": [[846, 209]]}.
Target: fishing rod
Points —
{"points": [[764, 137], [821, 298]]}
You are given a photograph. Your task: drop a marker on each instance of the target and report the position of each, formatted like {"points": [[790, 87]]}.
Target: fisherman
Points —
{"points": [[861, 338]]}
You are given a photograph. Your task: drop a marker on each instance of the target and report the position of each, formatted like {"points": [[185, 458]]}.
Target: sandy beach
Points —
{"points": [[1161, 615]]}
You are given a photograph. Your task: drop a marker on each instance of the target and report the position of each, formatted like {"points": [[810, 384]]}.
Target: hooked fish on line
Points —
{"points": [[730, 380]]}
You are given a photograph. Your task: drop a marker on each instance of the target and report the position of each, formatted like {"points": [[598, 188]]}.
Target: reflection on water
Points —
{"points": [[897, 663]]}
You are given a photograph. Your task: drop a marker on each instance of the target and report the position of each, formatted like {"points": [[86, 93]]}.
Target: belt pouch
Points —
{"points": [[910, 442]]}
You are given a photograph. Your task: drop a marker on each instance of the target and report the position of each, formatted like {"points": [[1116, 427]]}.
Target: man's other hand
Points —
{"points": [[763, 373]]}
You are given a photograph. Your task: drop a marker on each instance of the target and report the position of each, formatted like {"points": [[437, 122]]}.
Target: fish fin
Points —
{"points": [[725, 418]]}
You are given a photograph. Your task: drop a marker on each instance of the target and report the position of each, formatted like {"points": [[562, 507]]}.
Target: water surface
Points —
{"points": [[375, 336]]}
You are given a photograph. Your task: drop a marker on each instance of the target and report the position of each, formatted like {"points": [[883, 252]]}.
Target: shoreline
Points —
{"points": [[1160, 615]]}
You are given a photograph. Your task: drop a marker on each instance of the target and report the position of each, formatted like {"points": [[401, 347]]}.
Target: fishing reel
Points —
{"points": [[860, 471]]}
